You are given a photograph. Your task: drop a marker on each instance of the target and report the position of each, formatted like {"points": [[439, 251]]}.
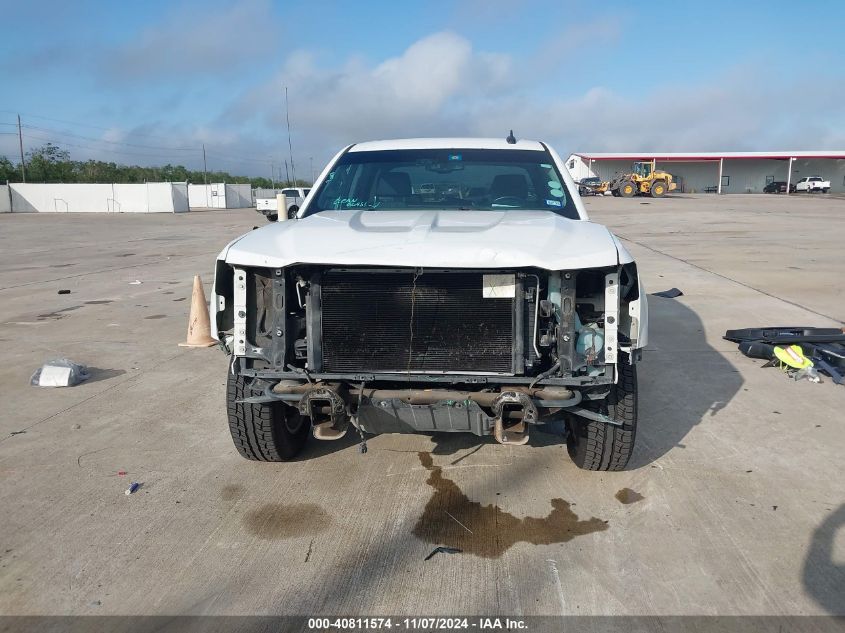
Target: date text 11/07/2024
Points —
{"points": [[414, 624]]}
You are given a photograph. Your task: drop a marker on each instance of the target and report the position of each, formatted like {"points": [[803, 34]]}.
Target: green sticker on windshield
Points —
{"points": [[557, 193]]}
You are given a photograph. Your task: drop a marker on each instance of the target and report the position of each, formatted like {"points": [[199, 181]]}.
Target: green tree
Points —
{"points": [[8, 171], [49, 163]]}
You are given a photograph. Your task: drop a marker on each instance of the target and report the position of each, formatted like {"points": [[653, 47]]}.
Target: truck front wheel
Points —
{"points": [[265, 432], [596, 445]]}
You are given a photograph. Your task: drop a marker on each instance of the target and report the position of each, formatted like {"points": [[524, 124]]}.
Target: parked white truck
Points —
{"points": [[269, 206], [810, 184], [433, 285]]}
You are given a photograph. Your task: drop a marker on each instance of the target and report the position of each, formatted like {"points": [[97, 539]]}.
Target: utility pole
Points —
{"points": [[287, 175], [204, 167], [290, 145], [20, 143], [272, 175]]}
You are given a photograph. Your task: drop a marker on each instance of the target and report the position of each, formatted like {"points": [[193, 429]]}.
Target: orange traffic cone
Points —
{"points": [[199, 326]]}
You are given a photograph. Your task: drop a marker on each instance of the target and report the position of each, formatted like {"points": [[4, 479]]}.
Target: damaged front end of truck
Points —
{"points": [[393, 350]]}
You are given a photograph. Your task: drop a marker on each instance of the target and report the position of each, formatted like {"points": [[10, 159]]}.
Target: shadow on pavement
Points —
{"points": [[98, 374], [683, 381], [823, 577]]}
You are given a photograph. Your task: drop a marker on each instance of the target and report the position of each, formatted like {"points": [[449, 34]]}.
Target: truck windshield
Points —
{"points": [[459, 179]]}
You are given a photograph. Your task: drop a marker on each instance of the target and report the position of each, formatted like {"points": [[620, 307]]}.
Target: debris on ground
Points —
{"points": [[132, 488], [135, 283], [64, 291], [59, 372], [17, 433], [443, 550], [801, 352], [669, 294]]}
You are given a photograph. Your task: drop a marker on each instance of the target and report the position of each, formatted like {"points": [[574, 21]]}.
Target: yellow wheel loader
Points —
{"points": [[643, 180]]}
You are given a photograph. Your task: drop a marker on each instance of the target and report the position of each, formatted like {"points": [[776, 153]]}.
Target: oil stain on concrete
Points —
{"points": [[56, 314], [451, 519], [281, 521], [232, 492], [627, 496]]}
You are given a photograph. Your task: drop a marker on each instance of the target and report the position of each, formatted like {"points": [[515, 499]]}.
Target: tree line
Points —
{"points": [[50, 163]]}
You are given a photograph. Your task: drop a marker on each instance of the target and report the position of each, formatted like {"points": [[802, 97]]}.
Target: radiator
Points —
{"points": [[396, 322]]}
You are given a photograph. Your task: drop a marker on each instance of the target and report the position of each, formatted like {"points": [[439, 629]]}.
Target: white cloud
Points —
{"points": [[441, 86], [426, 90]]}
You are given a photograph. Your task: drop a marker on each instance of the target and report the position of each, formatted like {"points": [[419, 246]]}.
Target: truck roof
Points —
{"points": [[445, 143]]}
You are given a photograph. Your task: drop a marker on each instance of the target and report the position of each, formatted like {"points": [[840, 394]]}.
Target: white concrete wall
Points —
{"points": [[199, 196], [238, 196], [219, 195], [180, 197], [741, 175], [154, 197], [5, 199]]}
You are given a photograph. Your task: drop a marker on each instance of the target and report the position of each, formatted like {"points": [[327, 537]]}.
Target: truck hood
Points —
{"points": [[428, 239]]}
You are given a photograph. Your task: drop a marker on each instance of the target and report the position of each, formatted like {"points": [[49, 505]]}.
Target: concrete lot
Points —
{"points": [[735, 500]]}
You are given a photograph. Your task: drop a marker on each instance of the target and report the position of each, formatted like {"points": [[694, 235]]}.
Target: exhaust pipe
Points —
{"points": [[327, 410], [514, 411]]}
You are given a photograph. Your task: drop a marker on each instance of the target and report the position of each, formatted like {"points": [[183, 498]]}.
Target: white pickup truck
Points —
{"points": [[432, 285], [813, 183], [294, 197]]}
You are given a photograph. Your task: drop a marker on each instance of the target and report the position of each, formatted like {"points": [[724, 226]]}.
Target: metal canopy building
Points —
{"points": [[722, 172]]}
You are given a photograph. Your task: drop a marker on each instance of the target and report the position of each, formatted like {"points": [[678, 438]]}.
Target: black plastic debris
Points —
{"points": [[787, 335], [444, 550], [823, 348], [63, 291], [757, 349], [669, 294]]}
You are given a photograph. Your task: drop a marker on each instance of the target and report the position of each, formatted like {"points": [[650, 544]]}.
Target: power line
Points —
{"points": [[98, 140], [103, 146], [94, 127], [98, 149]]}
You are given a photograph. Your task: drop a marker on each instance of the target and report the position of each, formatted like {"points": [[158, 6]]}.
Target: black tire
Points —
{"points": [[271, 432], [292, 212], [627, 189], [600, 446], [825, 190], [273, 217], [614, 193], [658, 189]]}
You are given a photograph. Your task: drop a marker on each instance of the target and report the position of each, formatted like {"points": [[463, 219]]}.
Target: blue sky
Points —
{"points": [[150, 82]]}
